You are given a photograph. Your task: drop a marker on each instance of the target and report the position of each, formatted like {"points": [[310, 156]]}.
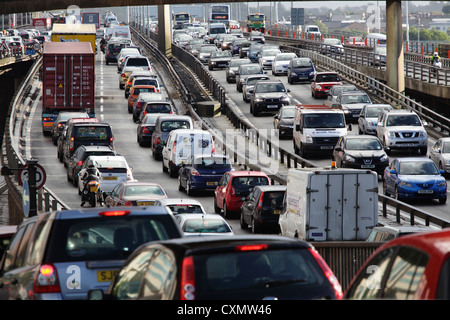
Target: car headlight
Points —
{"points": [[285, 99], [349, 158], [384, 158], [257, 100], [318, 86], [311, 73], [391, 134], [423, 135], [309, 138], [447, 162], [405, 184], [293, 74], [442, 184]]}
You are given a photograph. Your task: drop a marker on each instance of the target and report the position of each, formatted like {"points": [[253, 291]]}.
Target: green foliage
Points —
{"points": [[426, 35]]}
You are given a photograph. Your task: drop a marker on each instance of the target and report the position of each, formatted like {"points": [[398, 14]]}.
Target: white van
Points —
{"points": [[317, 129], [329, 204], [216, 29], [312, 29], [181, 143]]}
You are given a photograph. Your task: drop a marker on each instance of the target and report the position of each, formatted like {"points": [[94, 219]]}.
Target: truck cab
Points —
{"points": [[317, 128]]}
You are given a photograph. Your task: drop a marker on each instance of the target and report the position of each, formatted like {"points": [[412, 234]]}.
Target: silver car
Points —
{"points": [[367, 121], [440, 154], [249, 83]]}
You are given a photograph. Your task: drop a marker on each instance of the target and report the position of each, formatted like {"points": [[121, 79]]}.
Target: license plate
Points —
{"points": [[303, 77], [145, 203], [425, 191], [356, 115], [272, 106], [408, 145], [109, 178], [106, 275], [276, 211], [93, 189], [211, 183], [326, 147], [368, 166]]}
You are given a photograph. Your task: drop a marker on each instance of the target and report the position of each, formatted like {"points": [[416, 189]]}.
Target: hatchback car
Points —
{"points": [[368, 118], [61, 120], [232, 68], [361, 152], [219, 60], [262, 208], [234, 187], [224, 268], [388, 232], [61, 255], [253, 50], [204, 53], [76, 161], [244, 71], [181, 205], [414, 178], [440, 154], [281, 62], [134, 93], [300, 69], [200, 224], [144, 130], [352, 102], [267, 57], [411, 267], [135, 193], [335, 91], [322, 83], [268, 96], [283, 121], [202, 172], [249, 84]]}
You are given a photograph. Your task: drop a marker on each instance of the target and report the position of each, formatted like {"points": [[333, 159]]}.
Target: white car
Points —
{"points": [[203, 225], [267, 57], [113, 170], [440, 154], [181, 205], [249, 84], [123, 54], [281, 62]]}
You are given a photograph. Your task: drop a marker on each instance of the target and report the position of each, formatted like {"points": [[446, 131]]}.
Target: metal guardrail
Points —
{"points": [[292, 160], [14, 151]]}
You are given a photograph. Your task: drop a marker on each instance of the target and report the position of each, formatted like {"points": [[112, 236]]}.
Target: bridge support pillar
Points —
{"points": [[394, 34], [165, 25]]}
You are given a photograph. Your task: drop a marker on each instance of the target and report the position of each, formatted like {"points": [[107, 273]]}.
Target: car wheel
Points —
{"points": [[243, 224], [385, 192], [226, 212], [164, 168], [170, 170], [443, 200], [189, 191], [74, 179], [255, 227], [301, 151], [180, 187]]}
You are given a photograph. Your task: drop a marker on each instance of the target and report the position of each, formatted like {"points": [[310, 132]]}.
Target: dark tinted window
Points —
{"points": [[97, 153], [222, 273], [12, 250], [136, 91], [273, 199], [138, 62], [158, 108], [93, 132], [106, 238], [185, 208], [168, 126]]}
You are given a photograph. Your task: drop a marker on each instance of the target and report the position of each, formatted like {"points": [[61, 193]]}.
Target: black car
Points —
{"points": [[61, 120], [219, 59], [283, 121], [75, 162], [145, 129], [233, 66], [113, 50], [246, 70], [223, 268], [361, 152], [268, 96], [262, 208]]}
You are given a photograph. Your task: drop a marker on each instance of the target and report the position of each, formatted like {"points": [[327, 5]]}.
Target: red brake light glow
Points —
{"points": [[116, 213], [252, 247], [46, 280], [187, 291]]}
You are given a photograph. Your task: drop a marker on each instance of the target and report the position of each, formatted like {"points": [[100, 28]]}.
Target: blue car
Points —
{"points": [[300, 69], [414, 178], [202, 172]]}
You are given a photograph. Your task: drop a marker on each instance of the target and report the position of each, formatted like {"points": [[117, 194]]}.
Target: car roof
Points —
{"points": [[272, 188], [116, 157], [139, 183], [95, 148], [399, 111], [414, 159], [352, 93], [246, 173], [169, 201], [405, 229], [360, 136], [166, 116]]}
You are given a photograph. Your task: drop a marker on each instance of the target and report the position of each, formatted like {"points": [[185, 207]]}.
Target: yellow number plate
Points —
{"points": [[145, 203], [276, 211], [109, 178], [106, 275]]}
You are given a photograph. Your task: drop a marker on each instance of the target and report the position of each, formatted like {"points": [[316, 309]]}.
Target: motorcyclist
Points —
{"points": [[90, 174], [435, 58], [102, 45]]}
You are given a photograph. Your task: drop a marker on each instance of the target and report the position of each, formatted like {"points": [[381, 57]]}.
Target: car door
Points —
{"points": [[221, 190], [250, 204], [391, 178], [185, 171], [166, 150], [435, 151]]}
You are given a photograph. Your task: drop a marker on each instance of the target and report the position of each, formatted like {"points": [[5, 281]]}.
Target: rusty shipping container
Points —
{"points": [[68, 76]]}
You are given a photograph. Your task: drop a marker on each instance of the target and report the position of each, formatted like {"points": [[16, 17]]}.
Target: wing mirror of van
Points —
{"points": [[297, 127], [350, 127]]}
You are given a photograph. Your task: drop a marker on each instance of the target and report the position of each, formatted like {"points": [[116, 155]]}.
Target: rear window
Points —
{"points": [[116, 47], [205, 225], [158, 108], [168, 126], [146, 82], [92, 133], [243, 185], [185, 208], [290, 269], [212, 162], [97, 153], [138, 62], [136, 91], [106, 238]]}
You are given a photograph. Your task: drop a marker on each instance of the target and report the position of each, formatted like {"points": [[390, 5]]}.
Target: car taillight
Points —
{"points": [[71, 145], [79, 163], [260, 203], [187, 285], [46, 280], [195, 172], [158, 140], [123, 75], [174, 149], [252, 247], [114, 213], [328, 273], [145, 130]]}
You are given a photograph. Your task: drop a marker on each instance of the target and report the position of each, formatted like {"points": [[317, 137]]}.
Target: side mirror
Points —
{"points": [[275, 116], [288, 90], [297, 127], [338, 149], [350, 127]]}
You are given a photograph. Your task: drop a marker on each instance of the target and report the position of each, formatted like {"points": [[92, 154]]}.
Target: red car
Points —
{"points": [[322, 82], [234, 187], [410, 267]]}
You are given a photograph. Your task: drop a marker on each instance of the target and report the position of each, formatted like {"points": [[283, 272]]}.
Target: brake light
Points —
{"points": [[158, 140], [252, 247], [115, 213], [46, 280], [187, 285], [195, 172], [328, 273], [71, 145], [260, 203], [174, 147], [145, 130], [123, 75], [79, 163]]}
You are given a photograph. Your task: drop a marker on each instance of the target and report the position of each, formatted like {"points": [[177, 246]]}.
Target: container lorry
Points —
{"points": [[74, 33], [68, 80], [329, 204]]}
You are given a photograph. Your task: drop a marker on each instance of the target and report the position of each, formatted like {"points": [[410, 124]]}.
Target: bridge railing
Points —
{"points": [[14, 151], [285, 157]]}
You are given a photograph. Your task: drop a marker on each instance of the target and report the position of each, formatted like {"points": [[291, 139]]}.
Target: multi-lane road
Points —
{"points": [[111, 107]]}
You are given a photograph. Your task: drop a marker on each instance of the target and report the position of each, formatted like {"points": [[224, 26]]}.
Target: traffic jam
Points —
{"points": [[128, 240]]}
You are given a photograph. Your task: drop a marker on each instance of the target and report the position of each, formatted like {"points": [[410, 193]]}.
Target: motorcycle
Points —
{"points": [[92, 193], [437, 65]]}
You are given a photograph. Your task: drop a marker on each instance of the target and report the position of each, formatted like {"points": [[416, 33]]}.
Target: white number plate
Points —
{"points": [[425, 191]]}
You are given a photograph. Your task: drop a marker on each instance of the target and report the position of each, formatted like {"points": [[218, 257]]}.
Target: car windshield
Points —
{"points": [[211, 162], [269, 87], [220, 273], [357, 98], [373, 112], [332, 42], [185, 208], [403, 120], [363, 144], [252, 81], [417, 168], [104, 238], [324, 120], [302, 63], [144, 190], [168, 126], [288, 113], [251, 70], [446, 147], [328, 77], [209, 225], [284, 57], [221, 54], [270, 53]]}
